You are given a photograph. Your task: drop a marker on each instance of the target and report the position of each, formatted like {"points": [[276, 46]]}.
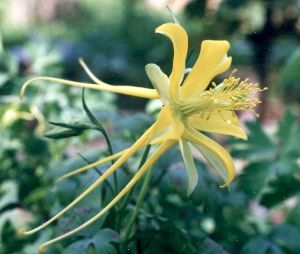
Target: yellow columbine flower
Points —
{"points": [[188, 107]]}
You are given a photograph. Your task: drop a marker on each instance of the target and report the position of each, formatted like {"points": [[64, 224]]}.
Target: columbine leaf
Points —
{"points": [[287, 236], [80, 246], [67, 130], [209, 246], [289, 77], [254, 178], [9, 193], [100, 243], [59, 133], [281, 188], [261, 245], [293, 217], [288, 136], [258, 146], [74, 126]]}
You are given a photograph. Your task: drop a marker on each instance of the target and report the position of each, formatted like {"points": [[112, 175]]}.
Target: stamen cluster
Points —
{"points": [[232, 94]]}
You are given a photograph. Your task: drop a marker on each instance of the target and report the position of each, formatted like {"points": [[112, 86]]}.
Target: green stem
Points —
{"points": [[140, 200], [115, 178], [110, 150], [129, 194], [99, 127]]}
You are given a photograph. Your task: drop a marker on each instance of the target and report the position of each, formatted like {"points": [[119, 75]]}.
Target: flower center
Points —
{"points": [[232, 94]]}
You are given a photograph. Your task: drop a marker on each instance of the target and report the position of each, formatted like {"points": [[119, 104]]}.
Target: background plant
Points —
{"points": [[258, 213]]}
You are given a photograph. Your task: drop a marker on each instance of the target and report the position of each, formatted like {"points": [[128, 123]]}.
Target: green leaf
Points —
{"points": [[258, 147], [65, 191], [100, 243], [73, 126], [9, 193], [280, 188], [287, 236], [285, 125], [290, 75], [4, 77], [104, 248], [261, 245], [80, 246], [293, 217], [253, 178], [209, 246], [61, 133], [288, 136], [108, 235]]}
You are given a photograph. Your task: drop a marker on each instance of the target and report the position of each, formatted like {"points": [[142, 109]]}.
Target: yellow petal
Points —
{"points": [[216, 155], [179, 39], [91, 165], [212, 61], [89, 72], [191, 170], [166, 127], [159, 80], [221, 122], [128, 90], [142, 141], [40, 119], [151, 160]]}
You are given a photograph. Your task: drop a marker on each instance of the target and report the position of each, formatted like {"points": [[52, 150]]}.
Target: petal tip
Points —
{"points": [[22, 232], [226, 184], [41, 249], [245, 138], [220, 43], [161, 29], [228, 181]]}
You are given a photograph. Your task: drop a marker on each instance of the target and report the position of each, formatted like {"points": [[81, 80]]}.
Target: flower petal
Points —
{"points": [[90, 166], [216, 155], [128, 90], [166, 127], [221, 122], [142, 141], [191, 170], [212, 61], [179, 39], [159, 80], [151, 160]]}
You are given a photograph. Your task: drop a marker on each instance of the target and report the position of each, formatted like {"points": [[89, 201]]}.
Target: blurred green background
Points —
{"points": [[259, 213]]}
